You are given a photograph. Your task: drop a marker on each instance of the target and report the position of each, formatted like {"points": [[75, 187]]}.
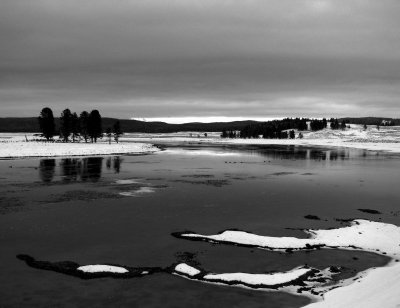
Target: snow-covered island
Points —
{"points": [[24, 145]]}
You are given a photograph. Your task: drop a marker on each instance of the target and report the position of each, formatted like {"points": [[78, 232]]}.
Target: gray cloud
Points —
{"points": [[206, 58]]}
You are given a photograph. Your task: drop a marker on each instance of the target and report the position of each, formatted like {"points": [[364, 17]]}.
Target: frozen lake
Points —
{"points": [[123, 209]]}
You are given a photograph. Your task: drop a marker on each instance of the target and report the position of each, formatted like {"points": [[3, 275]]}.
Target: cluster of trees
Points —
{"points": [[85, 126], [336, 125], [282, 129], [318, 124], [277, 129], [229, 134]]}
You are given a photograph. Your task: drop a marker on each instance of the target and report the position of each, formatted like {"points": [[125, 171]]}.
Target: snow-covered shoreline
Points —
{"points": [[23, 149], [372, 288], [385, 139]]}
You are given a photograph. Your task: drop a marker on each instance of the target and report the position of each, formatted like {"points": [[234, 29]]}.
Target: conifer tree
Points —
{"points": [[95, 129], [66, 123], [117, 131], [75, 126], [109, 134], [84, 125], [46, 123]]}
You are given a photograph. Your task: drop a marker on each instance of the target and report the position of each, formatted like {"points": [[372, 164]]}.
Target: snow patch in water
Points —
{"points": [[140, 191], [101, 268], [260, 279], [127, 181], [183, 268]]}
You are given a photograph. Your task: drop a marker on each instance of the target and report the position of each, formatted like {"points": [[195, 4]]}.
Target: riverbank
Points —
{"points": [[384, 139]]}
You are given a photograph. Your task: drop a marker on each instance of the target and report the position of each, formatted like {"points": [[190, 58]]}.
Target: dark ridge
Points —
{"points": [[370, 120], [71, 269], [345, 220], [312, 217], [31, 125], [369, 211]]}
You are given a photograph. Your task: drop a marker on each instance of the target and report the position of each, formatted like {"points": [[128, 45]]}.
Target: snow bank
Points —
{"points": [[377, 287], [185, 269], [48, 149], [100, 268], [259, 279], [360, 235]]}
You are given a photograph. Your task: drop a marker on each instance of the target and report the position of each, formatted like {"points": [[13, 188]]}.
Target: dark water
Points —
{"points": [[73, 209]]}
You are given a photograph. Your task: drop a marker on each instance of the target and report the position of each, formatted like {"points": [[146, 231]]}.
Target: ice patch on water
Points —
{"points": [[183, 268], [127, 181], [259, 279], [140, 191]]}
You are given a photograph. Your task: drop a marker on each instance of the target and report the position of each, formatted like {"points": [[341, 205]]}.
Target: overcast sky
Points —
{"points": [[201, 58]]}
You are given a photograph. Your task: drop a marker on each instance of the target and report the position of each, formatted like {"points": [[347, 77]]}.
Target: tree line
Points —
{"points": [[86, 126], [282, 129]]}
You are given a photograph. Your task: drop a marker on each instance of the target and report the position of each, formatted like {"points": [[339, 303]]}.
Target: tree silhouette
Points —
{"points": [[109, 134], [66, 122], [46, 123], [95, 129], [84, 125], [75, 126], [334, 123], [117, 131]]}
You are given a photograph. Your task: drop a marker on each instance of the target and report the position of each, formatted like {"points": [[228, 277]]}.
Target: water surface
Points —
{"points": [[123, 209]]}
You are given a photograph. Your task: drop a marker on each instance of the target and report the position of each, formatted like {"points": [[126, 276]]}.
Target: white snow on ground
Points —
{"points": [[377, 287], [384, 139], [100, 268], [183, 268], [17, 147], [260, 279]]}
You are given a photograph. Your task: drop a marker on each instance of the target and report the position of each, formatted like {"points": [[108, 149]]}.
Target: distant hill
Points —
{"points": [[370, 120], [31, 125]]}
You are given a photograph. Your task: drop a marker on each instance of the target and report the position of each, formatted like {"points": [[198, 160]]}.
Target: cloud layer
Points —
{"points": [[201, 58]]}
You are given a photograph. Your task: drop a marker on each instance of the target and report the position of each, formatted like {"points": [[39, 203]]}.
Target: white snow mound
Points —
{"points": [[100, 268]]}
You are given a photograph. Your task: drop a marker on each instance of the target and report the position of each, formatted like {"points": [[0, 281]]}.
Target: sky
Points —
{"points": [[200, 58]]}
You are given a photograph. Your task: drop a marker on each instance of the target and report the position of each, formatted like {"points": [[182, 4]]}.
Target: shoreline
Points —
{"points": [[388, 147]]}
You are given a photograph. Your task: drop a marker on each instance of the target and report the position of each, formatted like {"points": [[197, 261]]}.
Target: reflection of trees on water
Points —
{"points": [[299, 153], [70, 169], [115, 162], [76, 169], [47, 168], [91, 169]]}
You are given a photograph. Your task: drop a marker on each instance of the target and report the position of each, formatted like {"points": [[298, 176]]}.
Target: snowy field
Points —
{"points": [[384, 139], [17, 146]]}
